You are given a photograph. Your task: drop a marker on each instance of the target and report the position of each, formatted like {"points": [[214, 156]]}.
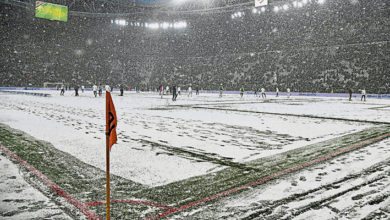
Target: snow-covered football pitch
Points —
{"points": [[201, 157]]}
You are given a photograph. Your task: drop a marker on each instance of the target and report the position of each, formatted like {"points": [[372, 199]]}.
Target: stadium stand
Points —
{"points": [[319, 47]]}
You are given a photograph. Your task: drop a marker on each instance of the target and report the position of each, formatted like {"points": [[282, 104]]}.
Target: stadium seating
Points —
{"points": [[321, 48]]}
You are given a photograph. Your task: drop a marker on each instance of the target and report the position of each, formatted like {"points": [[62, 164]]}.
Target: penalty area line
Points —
{"points": [[80, 206], [189, 205]]}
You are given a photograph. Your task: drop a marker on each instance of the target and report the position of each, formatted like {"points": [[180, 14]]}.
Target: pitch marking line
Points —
{"points": [[130, 201], [189, 205], [83, 208]]}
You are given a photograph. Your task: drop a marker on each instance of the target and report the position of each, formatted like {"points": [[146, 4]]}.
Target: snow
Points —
{"points": [[316, 179], [155, 136], [324, 213], [343, 166], [76, 125], [330, 107], [127, 161], [19, 200]]}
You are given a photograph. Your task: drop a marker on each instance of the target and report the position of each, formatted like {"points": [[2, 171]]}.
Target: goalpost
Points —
{"points": [[52, 84]]}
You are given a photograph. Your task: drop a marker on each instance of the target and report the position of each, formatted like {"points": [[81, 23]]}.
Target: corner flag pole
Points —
{"points": [[108, 177], [108, 169]]}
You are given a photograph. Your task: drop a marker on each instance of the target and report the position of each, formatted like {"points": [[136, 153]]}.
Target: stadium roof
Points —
{"points": [[141, 6]]}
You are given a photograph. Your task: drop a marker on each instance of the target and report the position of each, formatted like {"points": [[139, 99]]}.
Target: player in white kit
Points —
{"points": [[94, 88], [263, 95], [363, 95], [189, 91]]}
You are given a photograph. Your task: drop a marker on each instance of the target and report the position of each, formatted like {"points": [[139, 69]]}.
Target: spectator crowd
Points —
{"points": [[323, 48]]}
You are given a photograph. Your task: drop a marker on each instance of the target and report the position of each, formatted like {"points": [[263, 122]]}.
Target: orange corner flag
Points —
{"points": [[111, 121], [110, 140]]}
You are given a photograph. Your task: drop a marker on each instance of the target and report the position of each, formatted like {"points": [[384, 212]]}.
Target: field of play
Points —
{"points": [[201, 157]]}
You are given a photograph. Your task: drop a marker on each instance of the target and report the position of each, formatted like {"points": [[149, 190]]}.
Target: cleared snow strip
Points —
{"points": [[83, 208], [189, 205]]}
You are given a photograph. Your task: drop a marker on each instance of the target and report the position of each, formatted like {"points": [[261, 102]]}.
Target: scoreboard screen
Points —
{"points": [[51, 11]]}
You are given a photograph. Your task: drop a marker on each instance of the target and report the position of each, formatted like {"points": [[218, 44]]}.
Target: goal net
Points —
{"points": [[52, 84]]}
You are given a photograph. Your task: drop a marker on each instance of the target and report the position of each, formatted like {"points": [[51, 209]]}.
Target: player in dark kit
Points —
{"points": [[174, 94], [350, 94], [121, 90], [76, 90], [100, 90]]}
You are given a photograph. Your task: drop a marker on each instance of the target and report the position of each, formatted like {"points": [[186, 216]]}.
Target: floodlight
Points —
{"points": [[262, 9], [300, 4], [295, 4], [254, 10], [179, 2], [276, 9], [321, 1], [304, 2], [120, 22], [153, 25], [89, 41], [285, 7], [79, 52], [180, 24], [165, 25]]}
